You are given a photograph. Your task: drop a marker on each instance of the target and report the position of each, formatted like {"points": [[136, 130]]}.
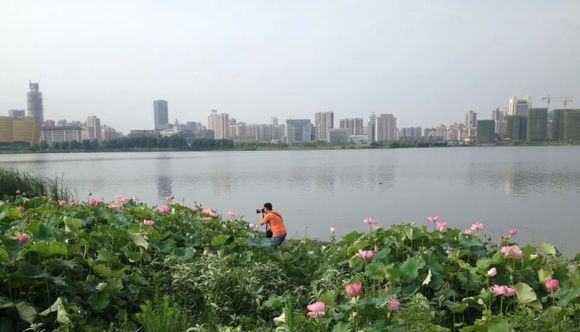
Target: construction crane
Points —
{"points": [[564, 100]]}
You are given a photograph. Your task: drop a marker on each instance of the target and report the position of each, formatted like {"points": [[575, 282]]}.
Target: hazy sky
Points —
{"points": [[428, 62]]}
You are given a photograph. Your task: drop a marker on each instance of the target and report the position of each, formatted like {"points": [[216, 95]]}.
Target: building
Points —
{"points": [[456, 132], [572, 124], [411, 133], [519, 106], [537, 124], [219, 123], [500, 122], [354, 126], [59, 134], [323, 121], [358, 139], [35, 104], [372, 128], [143, 133], [16, 113], [161, 114], [516, 127], [485, 131], [110, 133], [338, 136], [298, 131], [558, 124], [93, 129], [470, 125], [385, 128], [19, 130]]}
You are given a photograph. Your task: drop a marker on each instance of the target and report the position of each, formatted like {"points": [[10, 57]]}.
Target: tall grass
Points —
{"points": [[12, 180]]}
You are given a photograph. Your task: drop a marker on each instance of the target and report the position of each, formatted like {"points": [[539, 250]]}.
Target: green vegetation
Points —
{"points": [[13, 181], [124, 266]]}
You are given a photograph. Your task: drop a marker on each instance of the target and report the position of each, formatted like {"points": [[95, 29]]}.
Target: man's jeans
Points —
{"points": [[277, 240]]}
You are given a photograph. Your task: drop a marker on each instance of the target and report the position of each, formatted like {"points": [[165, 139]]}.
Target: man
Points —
{"points": [[276, 224]]}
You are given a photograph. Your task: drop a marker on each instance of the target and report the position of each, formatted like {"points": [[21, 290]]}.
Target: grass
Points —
{"points": [[31, 185]]}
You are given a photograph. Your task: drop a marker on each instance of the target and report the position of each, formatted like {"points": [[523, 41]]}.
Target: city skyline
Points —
{"points": [[286, 59]]}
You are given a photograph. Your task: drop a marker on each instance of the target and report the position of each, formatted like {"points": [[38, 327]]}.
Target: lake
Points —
{"points": [[536, 189]]}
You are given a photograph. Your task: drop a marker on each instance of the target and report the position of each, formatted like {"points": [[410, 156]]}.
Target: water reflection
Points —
{"points": [[164, 186]]}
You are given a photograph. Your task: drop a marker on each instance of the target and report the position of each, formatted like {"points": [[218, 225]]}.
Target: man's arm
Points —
{"points": [[264, 219]]}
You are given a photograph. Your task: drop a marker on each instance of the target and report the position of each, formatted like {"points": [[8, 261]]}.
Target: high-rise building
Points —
{"points": [[537, 123], [471, 124], [500, 124], [219, 123], [386, 128], [572, 124], [161, 114], [485, 131], [558, 124], [372, 128], [93, 128], [323, 121], [410, 133], [35, 105], [353, 126], [16, 113], [298, 131], [516, 127], [519, 106]]}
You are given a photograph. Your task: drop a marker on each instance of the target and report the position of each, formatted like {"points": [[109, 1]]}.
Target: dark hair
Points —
{"points": [[268, 206]]}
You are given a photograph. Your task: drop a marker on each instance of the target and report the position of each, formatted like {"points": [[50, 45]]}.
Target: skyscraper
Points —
{"points": [[572, 124], [35, 105], [471, 123], [161, 114], [537, 123], [93, 128], [558, 124], [220, 124], [519, 106], [324, 121], [353, 126], [386, 128], [499, 118], [372, 128]]}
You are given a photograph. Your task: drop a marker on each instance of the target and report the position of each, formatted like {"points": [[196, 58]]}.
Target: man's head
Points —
{"points": [[267, 207]]}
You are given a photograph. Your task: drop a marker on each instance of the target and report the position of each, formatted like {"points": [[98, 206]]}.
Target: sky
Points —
{"points": [[428, 62]]}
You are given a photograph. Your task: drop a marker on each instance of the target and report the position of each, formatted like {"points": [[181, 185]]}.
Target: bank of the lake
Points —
{"points": [[123, 265]]}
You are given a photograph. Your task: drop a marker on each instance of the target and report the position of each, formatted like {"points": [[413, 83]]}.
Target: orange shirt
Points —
{"points": [[276, 223]]}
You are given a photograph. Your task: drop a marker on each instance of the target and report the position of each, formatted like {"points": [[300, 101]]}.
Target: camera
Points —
{"points": [[260, 211]]}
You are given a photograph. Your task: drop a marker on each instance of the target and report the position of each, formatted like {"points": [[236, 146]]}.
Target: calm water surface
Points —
{"points": [[536, 189]]}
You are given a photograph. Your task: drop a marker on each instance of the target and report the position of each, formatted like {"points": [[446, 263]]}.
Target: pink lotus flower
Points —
{"points": [[503, 290], [253, 226], [164, 209], [468, 231], [393, 304], [94, 202], [210, 212], [148, 222], [433, 218], [232, 214], [513, 251], [333, 230], [316, 309], [477, 227], [370, 221], [441, 226], [552, 284], [121, 198], [491, 273], [17, 191], [353, 289], [169, 198], [136, 198], [62, 202], [364, 254], [113, 206], [23, 237], [512, 231], [21, 209]]}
